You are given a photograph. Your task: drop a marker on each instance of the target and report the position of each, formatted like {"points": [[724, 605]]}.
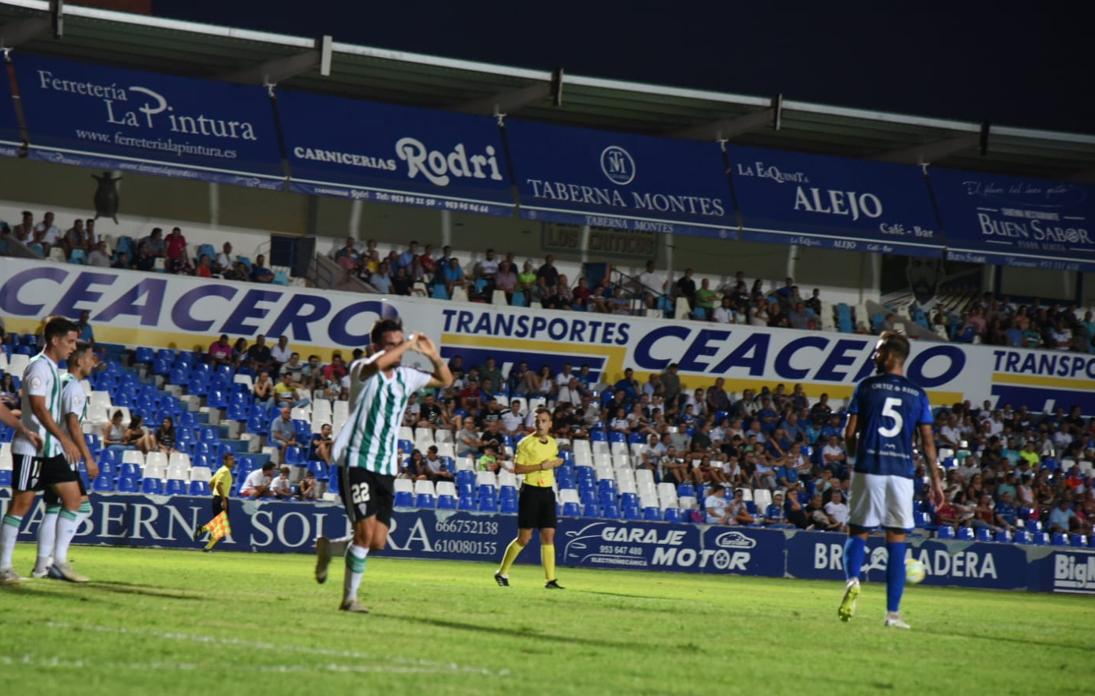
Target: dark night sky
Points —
{"points": [[1027, 64]]}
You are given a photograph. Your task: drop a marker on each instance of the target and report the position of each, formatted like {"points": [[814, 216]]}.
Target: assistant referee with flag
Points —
{"points": [[537, 458]]}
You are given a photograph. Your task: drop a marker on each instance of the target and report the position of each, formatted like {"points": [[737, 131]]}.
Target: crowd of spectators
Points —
{"points": [[1001, 462], [1000, 321]]}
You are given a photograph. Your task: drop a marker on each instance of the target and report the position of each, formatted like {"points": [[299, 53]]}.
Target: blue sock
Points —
{"points": [[854, 551], [895, 575]]}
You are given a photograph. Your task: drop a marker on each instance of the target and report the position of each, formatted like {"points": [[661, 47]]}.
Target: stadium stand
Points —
{"points": [[1011, 475]]}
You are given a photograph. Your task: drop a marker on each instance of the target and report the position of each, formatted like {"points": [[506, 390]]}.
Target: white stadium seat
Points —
{"points": [[403, 485], [424, 488], [133, 456], [762, 497], [446, 488]]}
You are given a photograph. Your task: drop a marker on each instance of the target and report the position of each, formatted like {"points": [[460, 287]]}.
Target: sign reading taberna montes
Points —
{"points": [[622, 181], [1013, 221], [834, 202], [99, 116], [395, 154]]}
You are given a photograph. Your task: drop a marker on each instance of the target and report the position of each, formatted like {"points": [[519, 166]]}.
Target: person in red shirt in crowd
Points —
{"points": [[221, 350], [175, 251], [204, 269], [336, 370], [581, 293]]}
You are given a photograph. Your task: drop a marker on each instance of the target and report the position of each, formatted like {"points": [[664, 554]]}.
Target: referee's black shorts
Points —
{"points": [[217, 505], [536, 508]]}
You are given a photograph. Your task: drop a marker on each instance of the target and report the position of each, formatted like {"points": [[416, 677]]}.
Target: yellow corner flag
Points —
{"points": [[218, 528]]}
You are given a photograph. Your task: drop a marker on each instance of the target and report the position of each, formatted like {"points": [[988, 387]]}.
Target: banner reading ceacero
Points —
{"points": [[154, 309]]}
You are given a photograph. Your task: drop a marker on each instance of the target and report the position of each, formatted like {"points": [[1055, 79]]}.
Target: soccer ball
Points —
{"points": [[914, 571]]}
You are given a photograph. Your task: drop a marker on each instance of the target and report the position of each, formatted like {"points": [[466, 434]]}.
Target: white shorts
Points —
{"points": [[881, 501]]}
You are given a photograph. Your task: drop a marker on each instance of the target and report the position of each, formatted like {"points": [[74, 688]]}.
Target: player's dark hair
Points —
{"points": [[383, 326], [57, 326], [895, 344], [81, 346], [268, 466], [545, 410]]}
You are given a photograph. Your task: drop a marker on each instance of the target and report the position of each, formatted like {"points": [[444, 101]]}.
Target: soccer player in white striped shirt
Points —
{"points": [[366, 454]]}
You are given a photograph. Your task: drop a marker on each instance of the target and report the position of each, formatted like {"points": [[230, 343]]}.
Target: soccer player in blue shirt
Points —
{"points": [[884, 413]]}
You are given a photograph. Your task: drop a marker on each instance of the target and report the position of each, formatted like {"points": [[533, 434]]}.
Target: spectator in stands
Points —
{"points": [[467, 439], [9, 394], [651, 285], [309, 487], [205, 268], [506, 280], [259, 272], [137, 435], [724, 314], [1063, 518], [821, 411], [705, 299], [220, 351], [257, 483], [283, 432], [83, 325], [47, 233], [837, 510], [547, 272], [24, 231], [814, 303], [580, 295], [237, 271], [285, 393], [74, 237], [263, 389], [488, 460], [165, 435], [155, 243], [818, 518], [715, 505], [281, 487], [686, 287], [738, 510], [322, 441], [259, 354], [99, 256], [145, 261], [347, 256], [452, 276], [175, 250], [223, 262], [114, 431], [436, 468]]}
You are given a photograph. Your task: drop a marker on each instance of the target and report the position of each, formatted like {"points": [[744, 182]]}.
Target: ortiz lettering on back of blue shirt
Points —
{"points": [[889, 408]]}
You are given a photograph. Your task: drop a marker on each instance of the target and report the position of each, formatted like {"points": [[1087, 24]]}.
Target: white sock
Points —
{"points": [[83, 513], [9, 532], [47, 535], [66, 529], [355, 571]]}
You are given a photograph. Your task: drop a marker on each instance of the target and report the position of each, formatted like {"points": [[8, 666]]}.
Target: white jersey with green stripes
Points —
{"points": [[73, 400], [40, 378], [369, 439]]}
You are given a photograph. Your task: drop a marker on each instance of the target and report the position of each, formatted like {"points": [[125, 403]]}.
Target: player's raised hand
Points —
{"points": [[424, 345]]}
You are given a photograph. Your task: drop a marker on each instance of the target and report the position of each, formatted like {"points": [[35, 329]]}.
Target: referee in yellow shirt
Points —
{"points": [[537, 457], [221, 487]]}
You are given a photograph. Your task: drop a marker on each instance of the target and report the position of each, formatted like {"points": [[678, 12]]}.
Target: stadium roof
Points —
{"points": [[203, 50]]}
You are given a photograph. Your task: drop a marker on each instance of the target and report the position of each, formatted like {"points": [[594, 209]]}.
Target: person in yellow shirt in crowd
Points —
{"points": [[537, 457]]}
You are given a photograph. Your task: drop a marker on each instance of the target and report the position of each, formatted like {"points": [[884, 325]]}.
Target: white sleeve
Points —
{"points": [[416, 379], [73, 399], [37, 378]]}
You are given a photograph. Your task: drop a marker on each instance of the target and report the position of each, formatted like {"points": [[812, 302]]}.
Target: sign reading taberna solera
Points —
{"points": [[395, 154], [834, 202], [620, 181], [1013, 221], [100, 116]]}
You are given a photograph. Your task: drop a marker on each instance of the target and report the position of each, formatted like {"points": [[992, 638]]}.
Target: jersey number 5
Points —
{"points": [[359, 493], [889, 410]]}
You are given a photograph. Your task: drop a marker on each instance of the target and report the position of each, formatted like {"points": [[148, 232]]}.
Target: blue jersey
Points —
{"points": [[889, 408]]}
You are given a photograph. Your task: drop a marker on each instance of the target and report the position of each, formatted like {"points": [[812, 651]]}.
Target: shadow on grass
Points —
{"points": [[144, 590], [1006, 639], [34, 589], [523, 634]]}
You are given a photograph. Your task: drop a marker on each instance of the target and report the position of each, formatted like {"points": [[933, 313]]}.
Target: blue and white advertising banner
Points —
{"points": [[155, 309], [820, 556], [99, 116], [395, 154], [623, 181], [833, 203], [292, 527], [1020, 222], [9, 126]]}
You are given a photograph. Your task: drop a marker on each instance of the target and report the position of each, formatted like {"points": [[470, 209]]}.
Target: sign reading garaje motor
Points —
{"points": [[93, 115], [154, 309]]}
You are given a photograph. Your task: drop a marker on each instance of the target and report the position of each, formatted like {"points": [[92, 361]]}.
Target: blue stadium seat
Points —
{"points": [[5, 478], [406, 446], [672, 515], [1040, 538], [610, 512], [199, 488], [127, 484], [597, 435], [1022, 537], [965, 534], [466, 503], [294, 456], [686, 490], [631, 513], [590, 509], [572, 509], [404, 499], [508, 506], [1033, 526], [652, 514], [984, 534], [446, 502], [945, 532], [487, 505], [152, 486], [1002, 536], [1058, 539], [1078, 541], [176, 487]]}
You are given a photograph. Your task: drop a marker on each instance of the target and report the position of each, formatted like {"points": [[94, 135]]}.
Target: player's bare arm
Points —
{"points": [[41, 412], [442, 376], [8, 418], [73, 422], [927, 443], [850, 432]]}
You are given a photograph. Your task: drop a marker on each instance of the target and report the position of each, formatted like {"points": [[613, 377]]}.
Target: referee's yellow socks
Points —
{"points": [[512, 552], [547, 559]]}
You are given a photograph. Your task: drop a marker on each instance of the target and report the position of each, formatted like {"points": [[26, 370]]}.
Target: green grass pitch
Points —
{"points": [[176, 622]]}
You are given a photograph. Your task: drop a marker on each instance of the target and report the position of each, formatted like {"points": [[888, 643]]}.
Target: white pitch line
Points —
{"points": [[405, 665]]}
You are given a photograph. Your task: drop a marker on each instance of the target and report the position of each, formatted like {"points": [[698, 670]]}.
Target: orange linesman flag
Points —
{"points": [[219, 527]]}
